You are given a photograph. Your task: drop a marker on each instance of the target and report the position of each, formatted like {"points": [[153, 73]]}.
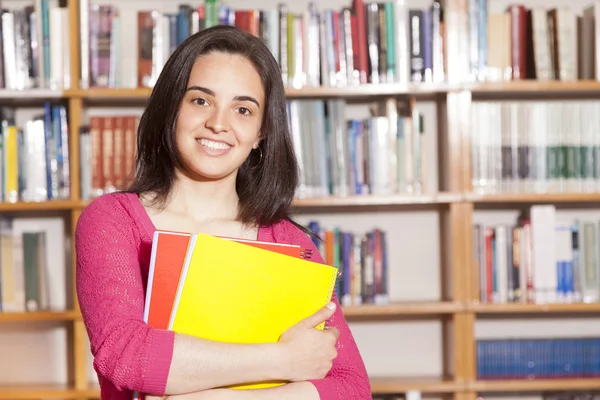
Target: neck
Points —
{"points": [[205, 200]]}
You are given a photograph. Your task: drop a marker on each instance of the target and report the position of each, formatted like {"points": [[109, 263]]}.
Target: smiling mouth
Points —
{"points": [[213, 145]]}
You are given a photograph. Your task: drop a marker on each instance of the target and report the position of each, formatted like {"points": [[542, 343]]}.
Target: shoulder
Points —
{"points": [[108, 205], [107, 212], [286, 231]]}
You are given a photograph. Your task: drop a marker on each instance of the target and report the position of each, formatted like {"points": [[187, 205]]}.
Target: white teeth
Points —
{"points": [[213, 145]]}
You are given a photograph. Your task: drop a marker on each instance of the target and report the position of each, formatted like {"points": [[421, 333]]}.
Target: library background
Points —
{"points": [[450, 155]]}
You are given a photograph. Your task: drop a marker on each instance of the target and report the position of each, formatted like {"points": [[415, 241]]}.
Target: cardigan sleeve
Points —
{"points": [[110, 290], [348, 377]]}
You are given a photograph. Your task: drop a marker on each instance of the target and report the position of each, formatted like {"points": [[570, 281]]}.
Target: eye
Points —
{"points": [[244, 111], [200, 101]]}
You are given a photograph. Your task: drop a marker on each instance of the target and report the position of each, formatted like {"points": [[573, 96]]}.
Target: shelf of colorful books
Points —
{"points": [[40, 316], [377, 200], [402, 309], [543, 309], [524, 198], [45, 391], [534, 385], [40, 205], [394, 385]]}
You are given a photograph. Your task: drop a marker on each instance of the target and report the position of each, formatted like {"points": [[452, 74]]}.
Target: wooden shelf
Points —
{"points": [[369, 90], [109, 93], [41, 206], [366, 90], [392, 385], [29, 94], [534, 86], [38, 316], [535, 385], [534, 198], [402, 309], [40, 391], [377, 200], [517, 308]]}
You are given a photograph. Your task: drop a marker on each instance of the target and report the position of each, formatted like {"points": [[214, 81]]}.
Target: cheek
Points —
{"points": [[247, 132]]}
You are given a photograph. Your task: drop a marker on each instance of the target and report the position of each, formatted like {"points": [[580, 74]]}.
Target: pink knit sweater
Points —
{"points": [[113, 242]]}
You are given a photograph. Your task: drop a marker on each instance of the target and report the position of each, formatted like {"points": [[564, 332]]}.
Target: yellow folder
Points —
{"points": [[232, 292]]}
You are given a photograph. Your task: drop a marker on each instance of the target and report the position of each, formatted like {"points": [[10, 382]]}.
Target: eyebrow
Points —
{"points": [[211, 93]]}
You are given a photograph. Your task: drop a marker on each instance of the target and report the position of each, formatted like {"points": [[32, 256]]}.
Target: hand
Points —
{"points": [[309, 352]]}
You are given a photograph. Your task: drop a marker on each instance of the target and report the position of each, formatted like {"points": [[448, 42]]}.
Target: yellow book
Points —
{"points": [[11, 163], [232, 292]]}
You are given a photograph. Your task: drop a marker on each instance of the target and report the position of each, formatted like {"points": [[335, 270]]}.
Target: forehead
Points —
{"points": [[226, 73]]}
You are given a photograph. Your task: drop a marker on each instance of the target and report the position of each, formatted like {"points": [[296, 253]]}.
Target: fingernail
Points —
{"points": [[331, 306]]}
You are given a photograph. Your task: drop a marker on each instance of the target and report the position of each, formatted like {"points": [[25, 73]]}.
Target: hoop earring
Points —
{"points": [[259, 160]]}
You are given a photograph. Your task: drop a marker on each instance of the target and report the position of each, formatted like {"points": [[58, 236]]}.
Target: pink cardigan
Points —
{"points": [[113, 241]]}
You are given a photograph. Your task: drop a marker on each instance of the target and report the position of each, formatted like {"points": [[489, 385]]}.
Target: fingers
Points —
{"points": [[335, 331], [320, 316]]}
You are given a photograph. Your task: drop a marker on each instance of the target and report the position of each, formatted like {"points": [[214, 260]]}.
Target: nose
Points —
{"points": [[217, 121]]}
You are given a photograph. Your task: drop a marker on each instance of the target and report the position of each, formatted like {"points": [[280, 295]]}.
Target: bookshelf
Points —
{"points": [[455, 203]]}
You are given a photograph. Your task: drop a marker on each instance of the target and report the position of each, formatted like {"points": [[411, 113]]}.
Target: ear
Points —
{"points": [[256, 142]]}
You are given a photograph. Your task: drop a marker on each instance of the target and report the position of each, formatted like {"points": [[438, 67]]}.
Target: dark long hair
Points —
{"points": [[265, 187]]}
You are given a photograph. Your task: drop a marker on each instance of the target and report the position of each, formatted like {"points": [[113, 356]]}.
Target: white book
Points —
{"points": [[56, 43], [36, 187], [401, 37], [543, 223], [9, 50], [84, 42], [501, 295], [55, 256]]}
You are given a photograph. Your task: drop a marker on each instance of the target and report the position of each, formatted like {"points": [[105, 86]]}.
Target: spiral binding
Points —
{"points": [[335, 275], [306, 254]]}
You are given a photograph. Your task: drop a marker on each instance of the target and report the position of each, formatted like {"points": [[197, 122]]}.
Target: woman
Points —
{"points": [[214, 156]]}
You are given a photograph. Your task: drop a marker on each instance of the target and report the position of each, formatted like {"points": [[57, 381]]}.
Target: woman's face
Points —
{"points": [[220, 116]]}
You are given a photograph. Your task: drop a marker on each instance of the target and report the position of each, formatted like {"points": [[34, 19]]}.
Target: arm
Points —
{"points": [[129, 353], [347, 379], [291, 391]]}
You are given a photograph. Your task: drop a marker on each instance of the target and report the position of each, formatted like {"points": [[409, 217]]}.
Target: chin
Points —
{"points": [[211, 174]]}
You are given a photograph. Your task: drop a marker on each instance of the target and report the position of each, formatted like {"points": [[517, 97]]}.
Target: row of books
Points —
{"points": [[329, 47], [535, 146], [35, 157], [556, 358], [34, 46], [538, 259], [543, 43], [32, 264], [363, 42], [382, 154], [107, 149], [361, 259]]}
